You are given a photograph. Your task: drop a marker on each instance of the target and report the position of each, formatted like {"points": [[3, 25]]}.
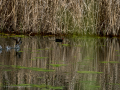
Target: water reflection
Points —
{"points": [[16, 47], [78, 63]]}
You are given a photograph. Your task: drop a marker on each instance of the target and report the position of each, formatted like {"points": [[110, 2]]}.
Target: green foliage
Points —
{"points": [[57, 65], [65, 44], [39, 86], [89, 72]]}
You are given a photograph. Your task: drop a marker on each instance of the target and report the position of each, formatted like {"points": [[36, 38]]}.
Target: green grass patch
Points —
{"points": [[89, 72], [20, 51], [17, 36], [33, 68], [30, 68], [65, 44], [57, 65], [113, 83], [39, 86]]}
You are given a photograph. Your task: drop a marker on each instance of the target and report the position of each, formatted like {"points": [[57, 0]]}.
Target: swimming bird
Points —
{"points": [[59, 40]]}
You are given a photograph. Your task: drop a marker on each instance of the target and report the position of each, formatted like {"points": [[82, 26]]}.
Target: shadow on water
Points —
{"points": [[76, 63]]}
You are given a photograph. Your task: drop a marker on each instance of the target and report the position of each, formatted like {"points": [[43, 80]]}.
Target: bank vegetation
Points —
{"points": [[100, 17]]}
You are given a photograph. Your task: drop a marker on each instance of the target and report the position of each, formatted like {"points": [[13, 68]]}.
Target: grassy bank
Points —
{"points": [[100, 17]]}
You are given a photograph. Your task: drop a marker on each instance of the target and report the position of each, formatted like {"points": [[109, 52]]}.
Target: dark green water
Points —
{"points": [[78, 63]]}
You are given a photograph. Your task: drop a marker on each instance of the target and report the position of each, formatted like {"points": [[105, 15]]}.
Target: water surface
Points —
{"points": [[77, 63]]}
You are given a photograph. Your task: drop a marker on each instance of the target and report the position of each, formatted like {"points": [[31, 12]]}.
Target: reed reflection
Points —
{"points": [[77, 63]]}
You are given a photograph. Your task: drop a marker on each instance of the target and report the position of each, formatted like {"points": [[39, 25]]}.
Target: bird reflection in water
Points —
{"points": [[18, 42], [17, 47], [0, 49], [8, 48]]}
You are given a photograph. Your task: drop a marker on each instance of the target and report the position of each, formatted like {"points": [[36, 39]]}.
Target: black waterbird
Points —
{"points": [[59, 40]]}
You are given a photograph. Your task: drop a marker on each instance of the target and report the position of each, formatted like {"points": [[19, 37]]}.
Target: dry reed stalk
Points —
{"points": [[63, 16], [109, 23], [37, 16]]}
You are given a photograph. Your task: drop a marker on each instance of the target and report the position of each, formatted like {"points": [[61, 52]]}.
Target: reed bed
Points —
{"points": [[60, 16], [109, 17]]}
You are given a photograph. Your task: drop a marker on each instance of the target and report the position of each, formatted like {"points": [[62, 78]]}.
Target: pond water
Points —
{"points": [[77, 63]]}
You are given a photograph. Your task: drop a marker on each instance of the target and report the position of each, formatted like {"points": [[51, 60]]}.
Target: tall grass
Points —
{"points": [[109, 18], [60, 16]]}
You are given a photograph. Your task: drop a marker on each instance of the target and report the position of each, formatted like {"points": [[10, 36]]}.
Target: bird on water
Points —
{"points": [[59, 40]]}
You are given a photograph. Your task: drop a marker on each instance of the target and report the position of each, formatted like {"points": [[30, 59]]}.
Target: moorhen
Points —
{"points": [[59, 40]]}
